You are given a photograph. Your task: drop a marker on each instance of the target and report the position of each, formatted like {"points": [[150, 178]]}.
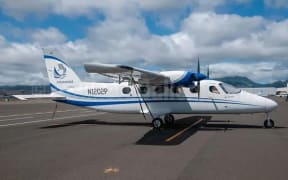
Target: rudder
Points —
{"points": [[60, 75]]}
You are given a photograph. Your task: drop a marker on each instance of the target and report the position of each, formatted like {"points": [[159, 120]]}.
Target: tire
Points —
{"points": [[157, 123], [269, 123], [169, 119]]}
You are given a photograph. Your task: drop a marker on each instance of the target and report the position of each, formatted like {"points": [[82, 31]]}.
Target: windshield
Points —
{"points": [[229, 89]]}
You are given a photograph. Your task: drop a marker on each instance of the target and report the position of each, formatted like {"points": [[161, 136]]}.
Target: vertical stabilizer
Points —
{"points": [[61, 76]]}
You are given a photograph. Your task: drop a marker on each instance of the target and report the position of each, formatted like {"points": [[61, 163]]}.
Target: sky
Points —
{"points": [[234, 37]]}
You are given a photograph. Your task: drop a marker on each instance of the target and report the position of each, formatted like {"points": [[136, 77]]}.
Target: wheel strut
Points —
{"points": [[268, 123]]}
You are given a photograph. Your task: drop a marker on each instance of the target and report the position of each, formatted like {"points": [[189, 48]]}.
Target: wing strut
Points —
{"points": [[138, 95], [135, 86]]}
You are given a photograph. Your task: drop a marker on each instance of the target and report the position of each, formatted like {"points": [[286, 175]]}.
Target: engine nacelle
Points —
{"points": [[183, 78]]}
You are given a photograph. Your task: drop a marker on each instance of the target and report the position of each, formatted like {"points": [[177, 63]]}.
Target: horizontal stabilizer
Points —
{"points": [[40, 96]]}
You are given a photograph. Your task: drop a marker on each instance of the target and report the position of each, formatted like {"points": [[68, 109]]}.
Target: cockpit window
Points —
{"points": [[213, 89], [229, 89]]}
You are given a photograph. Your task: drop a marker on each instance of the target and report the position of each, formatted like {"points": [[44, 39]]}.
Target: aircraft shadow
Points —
{"points": [[227, 126], [181, 130], [167, 136], [152, 137], [96, 122], [175, 135]]}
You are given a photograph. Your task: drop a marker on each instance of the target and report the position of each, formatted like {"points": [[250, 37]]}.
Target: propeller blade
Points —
{"points": [[198, 66], [208, 72], [198, 88], [198, 82]]}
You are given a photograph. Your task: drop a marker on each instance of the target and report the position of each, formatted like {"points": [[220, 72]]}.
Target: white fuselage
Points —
{"points": [[160, 100]]}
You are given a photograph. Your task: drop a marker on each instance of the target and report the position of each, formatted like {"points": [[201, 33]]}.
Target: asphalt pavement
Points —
{"points": [[77, 143]]}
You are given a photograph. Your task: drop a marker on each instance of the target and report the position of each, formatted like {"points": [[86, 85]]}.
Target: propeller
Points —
{"points": [[198, 80], [199, 76], [208, 72]]}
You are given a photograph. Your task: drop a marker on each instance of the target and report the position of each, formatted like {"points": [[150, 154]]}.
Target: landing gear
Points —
{"points": [[268, 123], [169, 119], [157, 123]]}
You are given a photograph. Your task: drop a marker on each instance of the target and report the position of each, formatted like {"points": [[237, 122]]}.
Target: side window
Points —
{"points": [[143, 90], [126, 90], [176, 90], [159, 89], [213, 89], [194, 89]]}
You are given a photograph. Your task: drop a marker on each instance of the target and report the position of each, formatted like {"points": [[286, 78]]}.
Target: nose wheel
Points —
{"points": [[268, 123]]}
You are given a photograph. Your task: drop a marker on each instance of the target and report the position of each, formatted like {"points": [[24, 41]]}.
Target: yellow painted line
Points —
{"points": [[111, 170], [182, 131]]}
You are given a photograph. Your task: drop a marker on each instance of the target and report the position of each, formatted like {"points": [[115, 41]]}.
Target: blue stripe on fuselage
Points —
{"points": [[105, 103], [150, 100], [132, 97]]}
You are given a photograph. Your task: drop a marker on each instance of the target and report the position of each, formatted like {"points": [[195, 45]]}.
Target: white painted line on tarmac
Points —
{"points": [[14, 119], [44, 120], [28, 114]]}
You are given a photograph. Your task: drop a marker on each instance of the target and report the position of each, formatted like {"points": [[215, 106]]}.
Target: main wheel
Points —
{"points": [[169, 119], [157, 123], [268, 123]]}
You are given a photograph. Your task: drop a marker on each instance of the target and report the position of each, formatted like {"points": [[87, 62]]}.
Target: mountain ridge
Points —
{"points": [[244, 82]]}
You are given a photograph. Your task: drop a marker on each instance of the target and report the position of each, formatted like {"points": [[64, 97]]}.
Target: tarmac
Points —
{"points": [[76, 143]]}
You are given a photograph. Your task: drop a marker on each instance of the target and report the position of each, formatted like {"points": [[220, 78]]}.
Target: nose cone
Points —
{"points": [[270, 105]]}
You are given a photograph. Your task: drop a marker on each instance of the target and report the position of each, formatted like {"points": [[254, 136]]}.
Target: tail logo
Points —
{"points": [[59, 72]]}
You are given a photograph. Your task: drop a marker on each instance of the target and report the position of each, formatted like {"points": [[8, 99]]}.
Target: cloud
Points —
{"points": [[276, 3], [211, 28], [2, 41], [207, 5], [166, 13], [218, 37], [50, 36], [232, 44], [265, 71], [21, 64], [275, 33], [111, 8], [20, 9]]}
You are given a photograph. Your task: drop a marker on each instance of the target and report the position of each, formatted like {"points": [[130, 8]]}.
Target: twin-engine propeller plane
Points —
{"points": [[160, 94]]}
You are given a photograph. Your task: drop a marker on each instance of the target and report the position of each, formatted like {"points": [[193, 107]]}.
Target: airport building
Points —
{"points": [[268, 91], [265, 91]]}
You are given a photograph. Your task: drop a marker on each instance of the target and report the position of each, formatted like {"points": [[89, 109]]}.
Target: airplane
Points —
{"points": [[158, 94]]}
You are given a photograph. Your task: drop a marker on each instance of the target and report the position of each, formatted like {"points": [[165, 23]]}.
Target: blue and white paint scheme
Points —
{"points": [[159, 94]]}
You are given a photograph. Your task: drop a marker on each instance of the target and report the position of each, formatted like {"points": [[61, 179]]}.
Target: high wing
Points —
{"points": [[140, 76]]}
